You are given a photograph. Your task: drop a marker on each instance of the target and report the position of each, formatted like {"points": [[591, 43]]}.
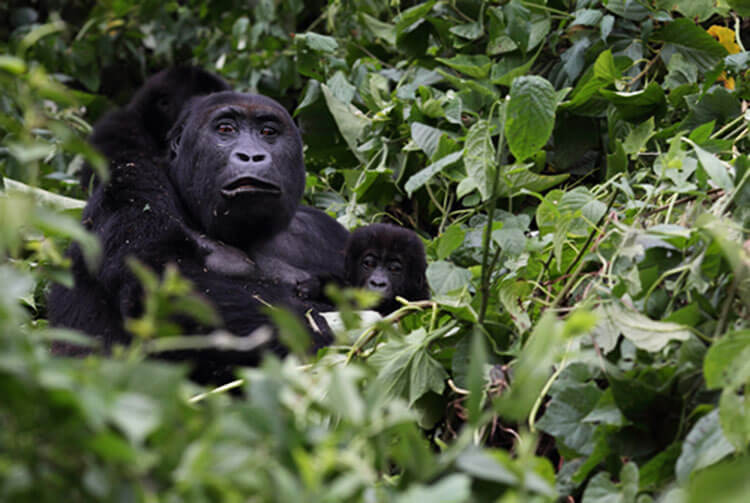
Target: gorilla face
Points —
{"points": [[237, 164], [388, 260]]}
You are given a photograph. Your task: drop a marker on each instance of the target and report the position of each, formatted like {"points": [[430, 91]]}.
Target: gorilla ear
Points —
{"points": [[174, 137]]}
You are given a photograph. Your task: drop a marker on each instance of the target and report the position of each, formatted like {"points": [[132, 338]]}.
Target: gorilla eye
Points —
{"points": [[369, 261], [394, 266], [162, 102], [268, 131], [225, 128]]}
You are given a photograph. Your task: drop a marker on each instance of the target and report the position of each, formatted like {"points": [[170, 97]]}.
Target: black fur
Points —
{"points": [[235, 174], [140, 128], [389, 260]]}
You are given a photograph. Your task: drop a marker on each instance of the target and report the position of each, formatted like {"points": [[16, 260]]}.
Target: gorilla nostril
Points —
{"points": [[377, 285], [242, 156], [259, 158]]}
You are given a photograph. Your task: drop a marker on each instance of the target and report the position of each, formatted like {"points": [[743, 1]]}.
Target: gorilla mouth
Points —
{"points": [[250, 185]]}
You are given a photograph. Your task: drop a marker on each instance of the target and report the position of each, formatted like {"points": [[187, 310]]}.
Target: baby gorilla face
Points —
{"points": [[380, 273], [388, 260], [237, 163]]}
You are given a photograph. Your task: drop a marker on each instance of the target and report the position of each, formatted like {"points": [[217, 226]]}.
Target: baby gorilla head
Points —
{"points": [[236, 160], [389, 260]]}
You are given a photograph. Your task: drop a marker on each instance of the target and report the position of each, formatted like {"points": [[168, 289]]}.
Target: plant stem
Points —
{"points": [[572, 279], [491, 202]]}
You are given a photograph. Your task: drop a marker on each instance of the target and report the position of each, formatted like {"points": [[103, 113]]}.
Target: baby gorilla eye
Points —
{"points": [[394, 266], [225, 128], [268, 131], [369, 261]]}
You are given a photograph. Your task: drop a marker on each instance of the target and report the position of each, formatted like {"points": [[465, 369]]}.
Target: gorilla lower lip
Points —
{"points": [[250, 186]]}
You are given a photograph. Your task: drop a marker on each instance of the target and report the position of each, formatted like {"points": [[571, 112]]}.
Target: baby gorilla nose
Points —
{"points": [[377, 284]]}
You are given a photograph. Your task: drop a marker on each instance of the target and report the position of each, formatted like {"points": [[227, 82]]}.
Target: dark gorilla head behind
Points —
{"points": [[159, 102], [389, 260], [138, 132], [236, 160]]}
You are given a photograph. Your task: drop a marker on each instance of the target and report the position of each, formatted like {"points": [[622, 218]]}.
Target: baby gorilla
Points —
{"points": [[389, 260]]}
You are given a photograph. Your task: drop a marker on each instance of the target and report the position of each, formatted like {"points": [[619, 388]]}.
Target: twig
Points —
{"points": [[645, 69], [721, 323], [486, 273], [714, 193], [569, 284], [221, 389], [394, 317]]}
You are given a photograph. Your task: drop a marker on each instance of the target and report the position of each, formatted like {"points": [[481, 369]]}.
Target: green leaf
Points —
{"points": [[405, 368], [421, 177], [563, 418], [477, 66], [413, 15], [511, 295], [318, 42], [532, 369], [587, 17], [681, 72], [505, 71], [445, 277], [601, 489], [617, 162], [475, 378], [629, 9], [696, 9], [637, 138], [341, 88], [639, 105], [136, 414], [727, 361], [292, 332], [426, 137], [642, 331], [691, 41], [380, 29], [479, 157], [350, 121], [469, 31], [455, 488], [511, 240], [12, 64], [724, 483], [530, 115], [480, 464], [427, 374], [704, 445], [344, 397], [717, 170], [42, 196], [449, 241]]}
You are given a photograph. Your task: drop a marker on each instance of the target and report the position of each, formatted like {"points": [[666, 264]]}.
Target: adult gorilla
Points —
{"points": [[235, 174]]}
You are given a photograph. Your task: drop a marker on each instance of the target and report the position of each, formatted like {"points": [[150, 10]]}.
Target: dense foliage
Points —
{"points": [[578, 171]]}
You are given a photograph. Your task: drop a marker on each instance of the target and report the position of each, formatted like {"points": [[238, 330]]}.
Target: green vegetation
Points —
{"points": [[578, 171]]}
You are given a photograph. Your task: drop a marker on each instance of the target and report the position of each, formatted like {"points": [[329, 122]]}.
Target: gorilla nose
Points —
{"points": [[377, 285], [257, 158]]}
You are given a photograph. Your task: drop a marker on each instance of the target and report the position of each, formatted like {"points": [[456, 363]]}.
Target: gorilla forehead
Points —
{"points": [[250, 104], [389, 239]]}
